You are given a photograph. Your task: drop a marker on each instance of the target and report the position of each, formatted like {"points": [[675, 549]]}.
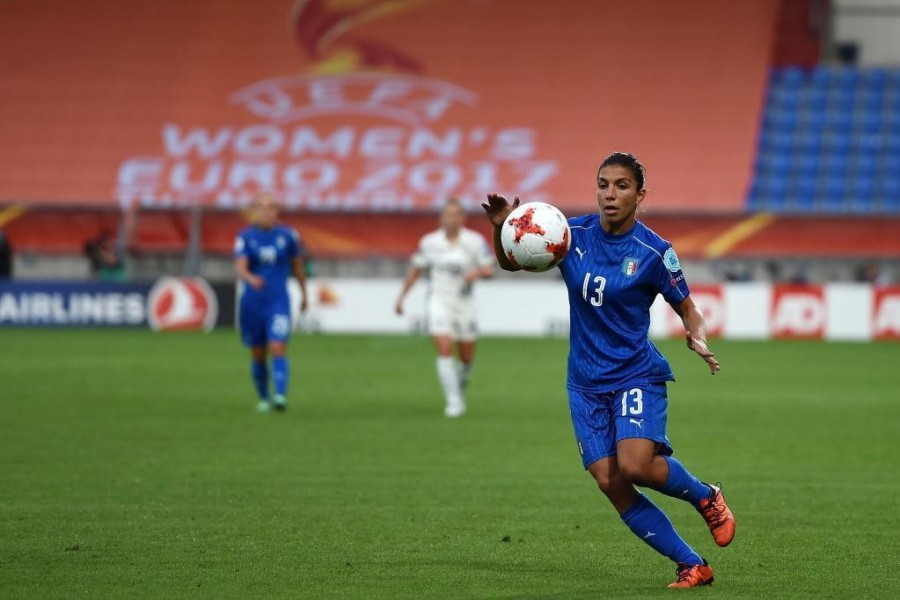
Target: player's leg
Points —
{"points": [[253, 334], [644, 518], [279, 331], [644, 457], [467, 333], [595, 432], [441, 329], [260, 372]]}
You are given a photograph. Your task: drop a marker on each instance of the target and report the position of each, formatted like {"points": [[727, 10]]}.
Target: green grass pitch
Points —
{"points": [[134, 466]]}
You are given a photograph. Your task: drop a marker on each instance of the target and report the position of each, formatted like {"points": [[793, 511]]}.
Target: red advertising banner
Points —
{"points": [[798, 311], [886, 313], [377, 105], [710, 299]]}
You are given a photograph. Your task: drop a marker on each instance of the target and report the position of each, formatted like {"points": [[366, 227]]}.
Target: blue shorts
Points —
{"points": [[263, 324], [601, 420]]}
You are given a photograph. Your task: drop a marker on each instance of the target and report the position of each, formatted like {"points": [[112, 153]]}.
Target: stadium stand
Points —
{"points": [[829, 142]]}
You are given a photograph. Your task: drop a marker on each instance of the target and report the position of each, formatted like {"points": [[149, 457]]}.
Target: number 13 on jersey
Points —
{"points": [[596, 294]]}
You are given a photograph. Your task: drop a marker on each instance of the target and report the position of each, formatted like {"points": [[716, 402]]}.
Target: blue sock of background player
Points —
{"points": [[280, 373], [651, 524], [682, 485], [260, 373]]}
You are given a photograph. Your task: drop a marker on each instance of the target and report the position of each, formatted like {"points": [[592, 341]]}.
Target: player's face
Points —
{"points": [[452, 218], [265, 211], [618, 197]]}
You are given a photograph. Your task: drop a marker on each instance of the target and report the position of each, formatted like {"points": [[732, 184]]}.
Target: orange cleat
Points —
{"points": [[718, 516], [693, 576]]}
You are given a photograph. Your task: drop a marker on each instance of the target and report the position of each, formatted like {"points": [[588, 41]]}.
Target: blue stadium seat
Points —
{"points": [[806, 187], [783, 99], [820, 77], [789, 77], [813, 99], [869, 101], [862, 190], [841, 99], [869, 123], [774, 163], [780, 120], [806, 164], [838, 121], [890, 186], [892, 144], [808, 142], [890, 164], [837, 143], [875, 78], [835, 187], [777, 142], [813, 121], [865, 166], [834, 165]]}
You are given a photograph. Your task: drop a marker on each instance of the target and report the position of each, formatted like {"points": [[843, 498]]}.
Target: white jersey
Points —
{"points": [[448, 262]]}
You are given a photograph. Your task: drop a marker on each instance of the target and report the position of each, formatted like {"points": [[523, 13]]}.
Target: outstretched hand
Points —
{"points": [[498, 208], [699, 346]]}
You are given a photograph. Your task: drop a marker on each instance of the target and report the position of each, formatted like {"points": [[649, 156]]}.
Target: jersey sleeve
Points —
{"points": [[240, 247], [670, 279], [484, 255], [421, 258]]}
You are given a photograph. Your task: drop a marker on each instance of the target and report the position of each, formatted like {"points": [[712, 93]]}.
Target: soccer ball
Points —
{"points": [[535, 236]]}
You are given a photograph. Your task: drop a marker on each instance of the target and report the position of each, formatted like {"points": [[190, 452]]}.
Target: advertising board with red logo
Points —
{"points": [[886, 313], [182, 303], [170, 304], [798, 311]]}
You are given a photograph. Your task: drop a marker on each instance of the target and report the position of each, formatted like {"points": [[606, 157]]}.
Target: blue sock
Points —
{"points": [[260, 378], [652, 525], [682, 485], [280, 370]]}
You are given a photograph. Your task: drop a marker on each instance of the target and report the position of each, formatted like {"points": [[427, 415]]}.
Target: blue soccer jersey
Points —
{"points": [[612, 281], [265, 314]]}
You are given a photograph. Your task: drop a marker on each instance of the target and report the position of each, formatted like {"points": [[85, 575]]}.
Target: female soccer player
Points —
{"points": [[455, 257], [616, 376], [265, 255]]}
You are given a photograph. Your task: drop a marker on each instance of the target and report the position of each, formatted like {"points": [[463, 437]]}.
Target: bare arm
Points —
{"points": [[695, 331], [242, 268], [497, 209], [411, 277], [299, 267]]}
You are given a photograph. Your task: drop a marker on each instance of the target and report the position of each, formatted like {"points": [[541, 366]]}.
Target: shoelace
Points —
{"points": [[713, 512], [688, 573]]}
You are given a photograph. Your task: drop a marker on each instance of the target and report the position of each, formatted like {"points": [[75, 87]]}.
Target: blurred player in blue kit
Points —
{"points": [[266, 255], [616, 376]]}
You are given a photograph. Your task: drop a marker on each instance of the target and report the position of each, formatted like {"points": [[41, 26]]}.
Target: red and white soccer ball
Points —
{"points": [[536, 236]]}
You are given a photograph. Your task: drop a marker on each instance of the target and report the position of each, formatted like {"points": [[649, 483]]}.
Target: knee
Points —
{"points": [[608, 480], [633, 469]]}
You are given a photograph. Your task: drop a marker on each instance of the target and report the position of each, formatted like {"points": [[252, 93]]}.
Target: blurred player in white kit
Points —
{"points": [[454, 257]]}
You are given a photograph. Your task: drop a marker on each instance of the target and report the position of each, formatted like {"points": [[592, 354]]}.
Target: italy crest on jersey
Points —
{"points": [[629, 266]]}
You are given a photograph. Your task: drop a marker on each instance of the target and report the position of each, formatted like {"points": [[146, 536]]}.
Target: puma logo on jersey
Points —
{"points": [[580, 252], [638, 422]]}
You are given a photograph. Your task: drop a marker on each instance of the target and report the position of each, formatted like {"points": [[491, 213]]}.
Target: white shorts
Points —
{"points": [[455, 318]]}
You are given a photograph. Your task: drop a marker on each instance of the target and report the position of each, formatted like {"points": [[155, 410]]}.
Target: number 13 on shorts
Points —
{"points": [[632, 402]]}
